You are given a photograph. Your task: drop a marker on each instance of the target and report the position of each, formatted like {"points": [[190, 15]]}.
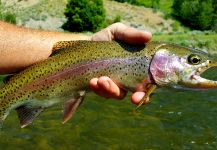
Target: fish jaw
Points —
{"points": [[170, 69], [194, 80]]}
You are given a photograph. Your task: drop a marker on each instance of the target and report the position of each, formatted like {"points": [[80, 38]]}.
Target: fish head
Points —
{"points": [[181, 67]]}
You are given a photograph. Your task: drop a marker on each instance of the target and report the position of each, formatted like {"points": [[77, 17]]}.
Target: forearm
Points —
{"points": [[21, 47]]}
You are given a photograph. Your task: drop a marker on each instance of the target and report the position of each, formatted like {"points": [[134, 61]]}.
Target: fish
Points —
{"points": [[64, 77]]}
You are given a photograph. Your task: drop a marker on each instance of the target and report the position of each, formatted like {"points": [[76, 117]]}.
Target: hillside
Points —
{"points": [[38, 14], [49, 15], [139, 17]]}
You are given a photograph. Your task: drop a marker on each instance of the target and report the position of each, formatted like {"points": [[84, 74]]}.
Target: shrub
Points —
{"points": [[84, 15], [117, 19], [197, 14], [7, 16], [150, 3]]}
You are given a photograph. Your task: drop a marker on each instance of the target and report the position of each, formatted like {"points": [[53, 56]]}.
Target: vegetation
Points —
{"points": [[197, 14], [116, 12], [7, 16], [162, 5], [150, 3], [84, 15], [205, 41]]}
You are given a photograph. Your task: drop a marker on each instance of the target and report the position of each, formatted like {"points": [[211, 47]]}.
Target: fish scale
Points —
{"points": [[25, 86], [64, 77]]}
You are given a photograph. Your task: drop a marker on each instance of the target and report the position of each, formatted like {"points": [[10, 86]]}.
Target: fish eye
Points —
{"points": [[194, 59]]}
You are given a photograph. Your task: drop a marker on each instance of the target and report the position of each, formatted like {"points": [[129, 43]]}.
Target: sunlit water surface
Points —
{"points": [[173, 120]]}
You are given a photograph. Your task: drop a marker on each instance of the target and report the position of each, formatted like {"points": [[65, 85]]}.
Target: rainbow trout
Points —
{"points": [[64, 76]]}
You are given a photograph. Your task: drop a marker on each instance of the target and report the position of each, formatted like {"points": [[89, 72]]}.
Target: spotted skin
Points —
{"points": [[70, 69], [66, 74]]}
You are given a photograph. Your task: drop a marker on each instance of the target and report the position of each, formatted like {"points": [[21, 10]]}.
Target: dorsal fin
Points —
{"points": [[7, 78], [60, 46], [27, 114]]}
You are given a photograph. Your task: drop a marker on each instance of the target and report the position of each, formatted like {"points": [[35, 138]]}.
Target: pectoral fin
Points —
{"points": [[70, 107], [147, 94], [27, 114]]}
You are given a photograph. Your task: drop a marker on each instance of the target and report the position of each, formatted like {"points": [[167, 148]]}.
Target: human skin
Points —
{"points": [[21, 47]]}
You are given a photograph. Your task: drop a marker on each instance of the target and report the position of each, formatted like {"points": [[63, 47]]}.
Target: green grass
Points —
{"points": [[38, 11], [206, 42], [6, 15], [165, 6]]}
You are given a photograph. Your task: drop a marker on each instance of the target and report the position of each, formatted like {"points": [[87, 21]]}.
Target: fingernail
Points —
{"points": [[147, 33], [106, 85]]}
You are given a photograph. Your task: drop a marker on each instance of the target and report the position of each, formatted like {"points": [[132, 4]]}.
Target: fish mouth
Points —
{"points": [[196, 79]]}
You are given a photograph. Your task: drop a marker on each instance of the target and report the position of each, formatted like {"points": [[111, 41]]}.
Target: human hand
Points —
{"points": [[104, 86]]}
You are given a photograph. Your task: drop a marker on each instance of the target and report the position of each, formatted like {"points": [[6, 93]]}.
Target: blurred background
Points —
{"points": [[187, 22], [173, 120]]}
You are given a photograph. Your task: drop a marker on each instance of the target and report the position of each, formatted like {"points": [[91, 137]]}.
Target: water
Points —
{"points": [[173, 120]]}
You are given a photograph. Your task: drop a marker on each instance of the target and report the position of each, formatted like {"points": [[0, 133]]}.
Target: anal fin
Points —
{"points": [[70, 107], [27, 114]]}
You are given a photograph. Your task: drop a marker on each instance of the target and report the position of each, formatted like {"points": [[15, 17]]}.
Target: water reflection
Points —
{"points": [[173, 120]]}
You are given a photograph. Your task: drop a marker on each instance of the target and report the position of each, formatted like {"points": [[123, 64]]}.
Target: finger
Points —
{"points": [[129, 35], [110, 89], [137, 97], [93, 84], [94, 87], [103, 35], [106, 87], [119, 31]]}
